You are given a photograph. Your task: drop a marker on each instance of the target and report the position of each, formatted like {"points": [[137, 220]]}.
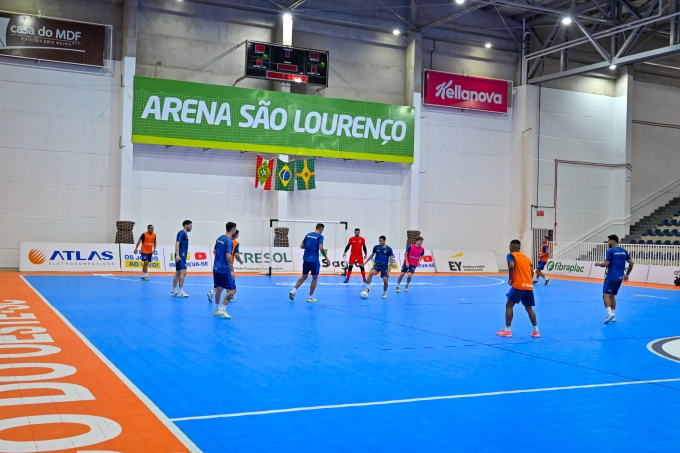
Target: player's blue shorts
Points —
{"points": [[181, 265], [407, 268], [381, 269], [224, 280], [146, 257], [521, 295], [541, 265], [611, 287], [310, 266]]}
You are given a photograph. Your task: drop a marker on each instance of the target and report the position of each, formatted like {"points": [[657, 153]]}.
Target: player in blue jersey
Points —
{"points": [[312, 244], [384, 256], [223, 270], [615, 262], [181, 251]]}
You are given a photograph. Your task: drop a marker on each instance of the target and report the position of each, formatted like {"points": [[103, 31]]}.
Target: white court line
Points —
{"points": [[417, 400], [653, 297], [145, 399]]}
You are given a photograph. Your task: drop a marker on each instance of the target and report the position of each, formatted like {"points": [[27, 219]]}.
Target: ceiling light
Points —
{"points": [[460, 2], [566, 20], [396, 32], [612, 66], [287, 16], [487, 45]]}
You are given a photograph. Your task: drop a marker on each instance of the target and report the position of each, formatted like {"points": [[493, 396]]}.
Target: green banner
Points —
{"points": [[170, 112]]}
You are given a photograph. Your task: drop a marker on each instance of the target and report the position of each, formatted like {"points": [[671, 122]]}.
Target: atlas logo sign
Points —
{"points": [[569, 268], [71, 257]]}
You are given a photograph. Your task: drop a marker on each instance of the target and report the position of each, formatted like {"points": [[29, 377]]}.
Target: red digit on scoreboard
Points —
{"points": [[259, 48]]}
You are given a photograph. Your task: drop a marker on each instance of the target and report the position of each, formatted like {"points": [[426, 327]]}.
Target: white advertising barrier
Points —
{"points": [[639, 273], [336, 264], [199, 258], [427, 265], [465, 261], [568, 267], [60, 257], [663, 275], [131, 262], [256, 258]]}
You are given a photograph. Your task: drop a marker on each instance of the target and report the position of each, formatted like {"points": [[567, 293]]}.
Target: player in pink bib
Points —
{"points": [[413, 257]]}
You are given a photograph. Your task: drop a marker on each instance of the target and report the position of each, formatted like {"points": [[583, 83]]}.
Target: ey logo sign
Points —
{"points": [[456, 266]]}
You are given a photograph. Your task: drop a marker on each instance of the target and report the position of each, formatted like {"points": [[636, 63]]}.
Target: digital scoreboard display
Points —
{"points": [[286, 64]]}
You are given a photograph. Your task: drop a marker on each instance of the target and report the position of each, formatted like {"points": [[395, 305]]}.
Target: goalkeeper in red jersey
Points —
{"points": [[357, 255]]}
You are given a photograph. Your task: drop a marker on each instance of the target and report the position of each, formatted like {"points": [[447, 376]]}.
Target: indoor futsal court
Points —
{"points": [[420, 370], [339, 226]]}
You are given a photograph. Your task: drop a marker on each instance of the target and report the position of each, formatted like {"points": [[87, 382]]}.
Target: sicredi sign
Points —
{"points": [[170, 112], [458, 91]]}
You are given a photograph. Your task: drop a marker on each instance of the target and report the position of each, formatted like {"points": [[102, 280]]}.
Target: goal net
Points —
{"points": [[283, 246]]}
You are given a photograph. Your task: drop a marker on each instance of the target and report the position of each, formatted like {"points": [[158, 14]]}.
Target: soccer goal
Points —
{"points": [[282, 254]]}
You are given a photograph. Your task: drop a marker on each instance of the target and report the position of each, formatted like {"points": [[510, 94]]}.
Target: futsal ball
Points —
{"points": [[363, 294]]}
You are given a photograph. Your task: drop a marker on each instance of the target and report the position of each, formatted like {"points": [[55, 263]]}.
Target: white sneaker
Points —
{"points": [[173, 293], [613, 318], [547, 280], [224, 314], [210, 295], [145, 278], [232, 299], [182, 294], [609, 318], [216, 313], [397, 290], [406, 289], [384, 295]]}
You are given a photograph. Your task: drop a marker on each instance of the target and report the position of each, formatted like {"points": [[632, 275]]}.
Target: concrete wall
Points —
{"points": [[465, 181], [589, 128], [59, 175], [655, 153]]}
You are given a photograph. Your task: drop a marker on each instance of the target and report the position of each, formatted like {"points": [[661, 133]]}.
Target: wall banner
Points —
{"points": [[663, 275], [199, 258], [255, 259], [568, 267], [42, 38], [64, 257], [466, 261], [170, 112], [131, 262], [458, 91]]}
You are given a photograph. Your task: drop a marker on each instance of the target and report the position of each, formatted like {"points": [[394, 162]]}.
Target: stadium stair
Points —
{"points": [[667, 217]]}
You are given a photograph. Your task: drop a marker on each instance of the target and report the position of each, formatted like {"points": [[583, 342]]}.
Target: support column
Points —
{"points": [[284, 35], [126, 206]]}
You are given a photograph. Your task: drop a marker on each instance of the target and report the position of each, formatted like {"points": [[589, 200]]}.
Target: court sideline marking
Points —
{"points": [[417, 400], [174, 429]]}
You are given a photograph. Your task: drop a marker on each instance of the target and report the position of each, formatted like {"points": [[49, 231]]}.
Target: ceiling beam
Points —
{"points": [[295, 4], [451, 17]]}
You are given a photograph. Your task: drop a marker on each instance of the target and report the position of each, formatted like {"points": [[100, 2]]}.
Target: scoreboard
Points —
{"points": [[286, 63]]}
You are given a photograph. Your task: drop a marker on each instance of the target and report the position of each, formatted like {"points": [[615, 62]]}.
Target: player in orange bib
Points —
{"points": [[148, 241], [520, 279], [543, 255]]}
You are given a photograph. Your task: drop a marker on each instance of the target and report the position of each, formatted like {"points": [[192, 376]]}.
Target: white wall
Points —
{"points": [[655, 149], [465, 181], [59, 169], [589, 128], [212, 187]]}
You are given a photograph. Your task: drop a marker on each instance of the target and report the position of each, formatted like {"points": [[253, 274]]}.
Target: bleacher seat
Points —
{"points": [[658, 242], [667, 242], [667, 232], [676, 242], [673, 222], [665, 222], [633, 241], [657, 232], [676, 232], [650, 242]]}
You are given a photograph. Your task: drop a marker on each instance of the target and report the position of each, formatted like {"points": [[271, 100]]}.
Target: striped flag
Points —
{"points": [[264, 170]]}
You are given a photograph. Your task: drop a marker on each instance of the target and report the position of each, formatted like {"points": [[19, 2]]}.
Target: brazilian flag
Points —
{"points": [[284, 176], [304, 173]]}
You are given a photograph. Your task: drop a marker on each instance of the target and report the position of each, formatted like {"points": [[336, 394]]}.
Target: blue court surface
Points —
{"points": [[421, 371]]}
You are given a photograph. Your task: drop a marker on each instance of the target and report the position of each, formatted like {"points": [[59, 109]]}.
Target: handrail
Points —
{"points": [[603, 227]]}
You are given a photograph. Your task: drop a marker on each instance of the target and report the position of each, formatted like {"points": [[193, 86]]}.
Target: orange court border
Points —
{"points": [[59, 393]]}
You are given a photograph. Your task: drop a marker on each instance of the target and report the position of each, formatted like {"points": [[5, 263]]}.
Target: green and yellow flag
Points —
{"points": [[284, 176], [304, 173]]}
